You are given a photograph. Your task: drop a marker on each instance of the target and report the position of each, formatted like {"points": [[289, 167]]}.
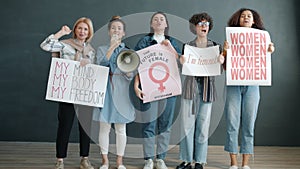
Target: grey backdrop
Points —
{"points": [[25, 115]]}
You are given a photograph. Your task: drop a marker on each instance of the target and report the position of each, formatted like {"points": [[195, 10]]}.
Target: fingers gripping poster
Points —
{"points": [[248, 59], [71, 83], [159, 73]]}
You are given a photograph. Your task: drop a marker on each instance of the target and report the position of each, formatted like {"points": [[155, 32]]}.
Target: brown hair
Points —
{"points": [[87, 21], [166, 32], [196, 18], [234, 20], [116, 19]]}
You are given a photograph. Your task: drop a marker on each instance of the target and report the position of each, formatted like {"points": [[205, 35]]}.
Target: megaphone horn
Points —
{"points": [[128, 61]]}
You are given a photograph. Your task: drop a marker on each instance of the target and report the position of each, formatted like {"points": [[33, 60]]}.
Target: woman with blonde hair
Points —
{"points": [[79, 49]]}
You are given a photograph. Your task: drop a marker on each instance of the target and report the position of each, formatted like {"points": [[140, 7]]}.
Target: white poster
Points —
{"points": [[159, 73], [201, 61], [248, 61], [69, 82]]}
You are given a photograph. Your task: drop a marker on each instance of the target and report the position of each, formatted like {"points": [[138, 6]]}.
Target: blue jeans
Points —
{"points": [[196, 130], [241, 110], [163, 124]]}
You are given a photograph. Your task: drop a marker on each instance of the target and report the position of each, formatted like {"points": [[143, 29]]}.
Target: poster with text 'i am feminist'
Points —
{"points": [[158, 72], [71, 83], [201, 61], [248, 59]]}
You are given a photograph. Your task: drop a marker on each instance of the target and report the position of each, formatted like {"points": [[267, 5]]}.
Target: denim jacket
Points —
{"points": [[148, 40]]}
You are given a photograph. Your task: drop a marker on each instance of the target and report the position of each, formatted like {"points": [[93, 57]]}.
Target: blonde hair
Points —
{"points": [[87, 21]]}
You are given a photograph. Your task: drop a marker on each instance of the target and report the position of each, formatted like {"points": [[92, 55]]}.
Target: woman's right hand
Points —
{"points": [[221, 58], [114, 41], [226, 45], [137, 90], [65, 30]]}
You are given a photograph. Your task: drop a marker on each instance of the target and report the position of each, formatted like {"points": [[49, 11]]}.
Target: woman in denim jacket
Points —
{"points": [[158, 34]]}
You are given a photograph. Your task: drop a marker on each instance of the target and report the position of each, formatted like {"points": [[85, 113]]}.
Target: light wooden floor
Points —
{"points": [[32, 155]]}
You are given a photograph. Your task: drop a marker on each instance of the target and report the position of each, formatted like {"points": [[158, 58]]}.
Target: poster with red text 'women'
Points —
{"points": [[248, 61]]}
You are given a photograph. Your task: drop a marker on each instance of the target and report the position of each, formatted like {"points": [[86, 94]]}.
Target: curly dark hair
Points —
{"points": [[234, 20], [196, 18]]}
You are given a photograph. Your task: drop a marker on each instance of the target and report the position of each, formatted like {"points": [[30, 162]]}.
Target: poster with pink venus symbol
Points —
{"points": [[159, 74]]}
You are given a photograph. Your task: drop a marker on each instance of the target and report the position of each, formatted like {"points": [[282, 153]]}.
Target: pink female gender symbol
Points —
{"points": [[159, 81]]}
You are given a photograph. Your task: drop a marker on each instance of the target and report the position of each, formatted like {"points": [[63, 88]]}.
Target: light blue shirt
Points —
{"points": [[117, 106]]}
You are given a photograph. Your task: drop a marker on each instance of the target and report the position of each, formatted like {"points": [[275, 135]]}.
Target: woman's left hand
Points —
{"points": [[271, 48], [182, 59], [166, 42]]}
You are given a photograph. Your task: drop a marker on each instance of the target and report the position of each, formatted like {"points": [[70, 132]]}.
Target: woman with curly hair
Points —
{"points": [[242, 101], [196, 101]]}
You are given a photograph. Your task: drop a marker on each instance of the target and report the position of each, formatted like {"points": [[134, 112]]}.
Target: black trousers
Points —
{"points": [[66, 115]]}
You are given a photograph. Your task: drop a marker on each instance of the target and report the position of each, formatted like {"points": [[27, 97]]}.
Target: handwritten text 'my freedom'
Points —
{"points": [[82, 79]]}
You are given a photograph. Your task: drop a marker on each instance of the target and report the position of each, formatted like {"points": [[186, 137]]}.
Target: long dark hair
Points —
{"points": [[166, 29], [234, 20]]}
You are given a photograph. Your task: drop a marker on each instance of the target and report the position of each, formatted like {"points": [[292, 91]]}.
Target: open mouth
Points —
{"points": [[246, 21]]}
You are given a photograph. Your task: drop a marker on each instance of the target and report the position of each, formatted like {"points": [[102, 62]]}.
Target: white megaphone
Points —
{"points": [[128, 61]]}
